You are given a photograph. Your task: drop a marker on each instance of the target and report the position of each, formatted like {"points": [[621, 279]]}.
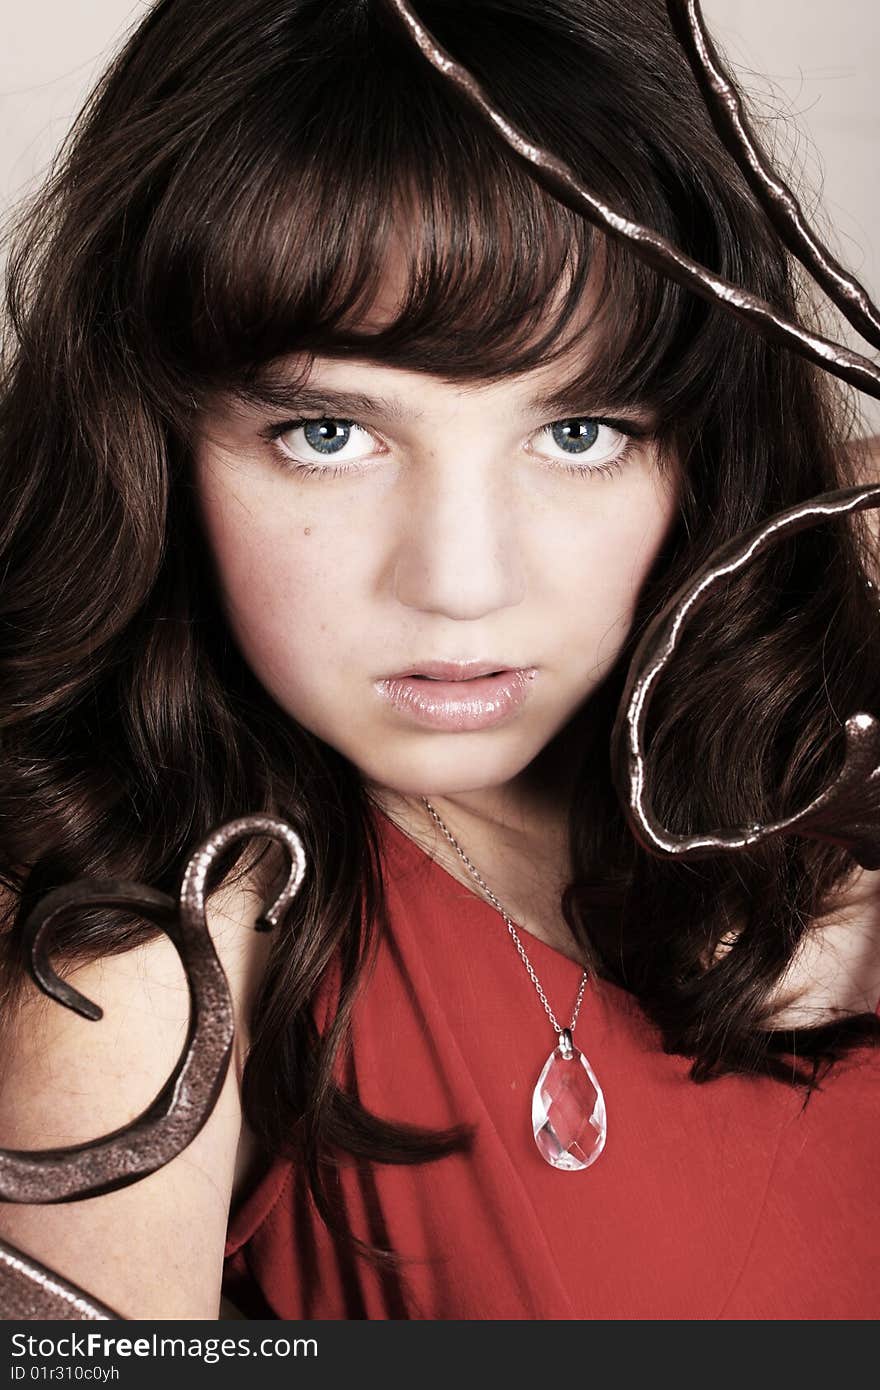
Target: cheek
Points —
{"points": [[273, 587], [284, 585], [606, 561], [610, 547]]}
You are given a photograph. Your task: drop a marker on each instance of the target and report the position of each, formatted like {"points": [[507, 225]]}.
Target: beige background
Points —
{"points": [[810, 66]]}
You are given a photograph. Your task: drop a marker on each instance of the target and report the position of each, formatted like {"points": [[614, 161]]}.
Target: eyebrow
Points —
{"points": [[325, 401], [275, 394]]}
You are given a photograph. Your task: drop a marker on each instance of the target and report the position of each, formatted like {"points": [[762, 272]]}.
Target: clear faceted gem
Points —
{"points": [[568, 1112]]}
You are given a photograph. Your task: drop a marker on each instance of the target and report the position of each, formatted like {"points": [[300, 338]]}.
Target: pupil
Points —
{"points": [[575, 436], [327, 436]]}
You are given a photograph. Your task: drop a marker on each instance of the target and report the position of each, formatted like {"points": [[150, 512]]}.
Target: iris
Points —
{"points": [[581, 433], [327, 436]]}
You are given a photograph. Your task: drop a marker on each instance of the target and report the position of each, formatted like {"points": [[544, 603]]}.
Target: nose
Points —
{"points": [[458, 549]]}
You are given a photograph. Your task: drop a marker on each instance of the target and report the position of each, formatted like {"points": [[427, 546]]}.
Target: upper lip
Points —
{"points": [[452, 670]]}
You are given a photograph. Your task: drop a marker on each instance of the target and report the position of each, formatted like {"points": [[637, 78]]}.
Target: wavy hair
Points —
{"points": [[225, 198]]}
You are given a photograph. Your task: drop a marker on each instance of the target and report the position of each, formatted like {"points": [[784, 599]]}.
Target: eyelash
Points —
{"points": [[273, 432]]}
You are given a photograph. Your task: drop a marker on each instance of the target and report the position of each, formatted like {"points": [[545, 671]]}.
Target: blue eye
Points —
{"points": [[575, 436], [603, 446], [327, 436]]}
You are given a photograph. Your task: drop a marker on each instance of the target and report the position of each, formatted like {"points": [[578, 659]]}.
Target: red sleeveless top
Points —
{"points": [[708, 1201]]}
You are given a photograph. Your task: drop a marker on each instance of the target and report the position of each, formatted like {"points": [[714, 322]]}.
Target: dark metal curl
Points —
{"points": [[655, 249], [184, 1104], [836, 814]]}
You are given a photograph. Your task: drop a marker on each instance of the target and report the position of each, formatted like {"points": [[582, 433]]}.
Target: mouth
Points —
{"points": [[458, 700], [455, 670], [417, 676]]}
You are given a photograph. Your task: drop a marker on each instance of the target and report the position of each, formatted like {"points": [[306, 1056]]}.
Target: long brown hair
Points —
{"points": [[226, 197]]}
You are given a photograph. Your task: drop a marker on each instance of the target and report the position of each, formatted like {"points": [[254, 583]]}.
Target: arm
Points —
{"points": [[153, 1249]]}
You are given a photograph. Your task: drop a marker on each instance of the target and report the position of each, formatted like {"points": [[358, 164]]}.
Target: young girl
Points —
{"points": [[344, 467]]}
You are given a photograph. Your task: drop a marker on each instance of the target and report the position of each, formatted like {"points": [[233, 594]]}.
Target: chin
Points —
{"points": [[447, 769]]}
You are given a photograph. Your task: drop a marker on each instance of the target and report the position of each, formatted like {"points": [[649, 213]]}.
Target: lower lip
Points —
{"points": [[460, 705]]}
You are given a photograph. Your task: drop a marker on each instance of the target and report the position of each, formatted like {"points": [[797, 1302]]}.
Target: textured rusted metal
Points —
{"points": [[558, 176], [186, 1100], [30, 1290]]}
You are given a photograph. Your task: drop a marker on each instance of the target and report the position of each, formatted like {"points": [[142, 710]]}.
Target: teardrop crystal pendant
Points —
{"points": [[568, 1109]]}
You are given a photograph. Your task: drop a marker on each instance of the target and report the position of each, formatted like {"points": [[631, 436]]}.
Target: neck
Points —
{"points": [[516, 834]]}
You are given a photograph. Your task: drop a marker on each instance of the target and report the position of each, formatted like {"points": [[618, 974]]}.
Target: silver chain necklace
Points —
{"points": [[568, 1107]]}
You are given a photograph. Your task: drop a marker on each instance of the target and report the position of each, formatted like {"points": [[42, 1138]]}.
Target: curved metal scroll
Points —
{"points": [[726, 111], [835, 814], [182, 1107]]}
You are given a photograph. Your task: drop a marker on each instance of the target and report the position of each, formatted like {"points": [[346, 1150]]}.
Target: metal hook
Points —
{"points": [[189, 1095]]}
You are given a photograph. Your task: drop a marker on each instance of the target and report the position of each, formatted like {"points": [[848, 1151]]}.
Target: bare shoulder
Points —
{"points": [[837, 968], [153, 1249]]}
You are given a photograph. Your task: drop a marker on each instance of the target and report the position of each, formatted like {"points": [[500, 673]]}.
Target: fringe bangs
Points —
{"points": [[300, 205]]}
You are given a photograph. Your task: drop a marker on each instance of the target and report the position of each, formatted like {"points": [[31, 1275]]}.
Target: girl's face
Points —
{"points": [[412, 520]]}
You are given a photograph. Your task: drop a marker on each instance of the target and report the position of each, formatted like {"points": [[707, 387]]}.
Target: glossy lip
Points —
{"points": [[461, 703]]}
